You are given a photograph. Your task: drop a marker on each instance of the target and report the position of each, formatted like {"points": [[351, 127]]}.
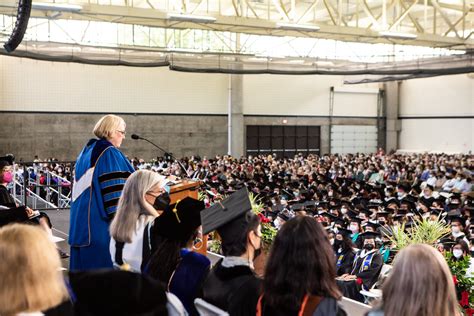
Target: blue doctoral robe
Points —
{"points": [[188, 277], [100, 174]]}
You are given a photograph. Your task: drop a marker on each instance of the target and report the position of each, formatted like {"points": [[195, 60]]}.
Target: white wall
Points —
{"points": [[437, 97], [300, 95], [443, 135], [29, 85]]}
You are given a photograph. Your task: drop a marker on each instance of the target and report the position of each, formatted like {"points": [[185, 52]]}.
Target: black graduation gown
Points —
{"points": [[13, 215], [235, 289], [5, 197], [368, 277], [426, 201], [346, 262]]}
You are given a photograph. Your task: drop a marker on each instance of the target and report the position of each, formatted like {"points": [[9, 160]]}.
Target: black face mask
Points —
{"points": [[337, 243], [162, 201], [369, 247]]}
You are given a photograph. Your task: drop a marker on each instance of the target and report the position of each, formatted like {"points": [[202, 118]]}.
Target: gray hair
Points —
{"points": [[132, 204]]}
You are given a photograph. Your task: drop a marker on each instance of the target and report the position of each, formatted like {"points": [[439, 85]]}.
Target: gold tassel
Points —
{"points": [[175, 211]]}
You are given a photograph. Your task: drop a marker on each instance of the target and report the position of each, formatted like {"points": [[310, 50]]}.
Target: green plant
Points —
{"points": [[201, 196], [422, 232], [464, 283], [268, 231], [215, 245]]}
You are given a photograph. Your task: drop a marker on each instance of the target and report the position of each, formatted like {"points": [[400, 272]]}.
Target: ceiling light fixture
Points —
{"points": [[298, 27], [398, 35], [56, 7], [191, 18]]}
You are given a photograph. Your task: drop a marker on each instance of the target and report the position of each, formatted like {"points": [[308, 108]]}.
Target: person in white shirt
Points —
{"points": [[138, 205]]}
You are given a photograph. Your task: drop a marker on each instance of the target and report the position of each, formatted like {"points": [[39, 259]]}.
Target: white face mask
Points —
{"points": [[457, 253], [354, 228], [343, 210], [277, 223], [331, 241], [455, 230]]}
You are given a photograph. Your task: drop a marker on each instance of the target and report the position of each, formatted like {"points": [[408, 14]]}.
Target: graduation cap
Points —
{"points": [[383, 214], [180, 220], [6, 161], [330, 216], [409, 225], [404, 187], [428, 186], [277, 208], [355, 219], [446, 242], [132, 294], [297, 207], [457, 219], [366, 212], [228, 217], [399, 217], [435, 211], [285, 215], [369, 235], [372, 225], [344, 232]]}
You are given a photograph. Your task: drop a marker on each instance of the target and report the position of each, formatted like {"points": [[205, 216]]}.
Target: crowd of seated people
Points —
{"points": [[334, 215]]}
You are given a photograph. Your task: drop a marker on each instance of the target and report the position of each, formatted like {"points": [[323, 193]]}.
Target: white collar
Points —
{"points": [[364, 253], [230, 262]]}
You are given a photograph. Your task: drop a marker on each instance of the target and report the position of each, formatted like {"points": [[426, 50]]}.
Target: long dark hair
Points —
{"points": [[346, 244], [301, 262], [164, 260], [166, 255]]}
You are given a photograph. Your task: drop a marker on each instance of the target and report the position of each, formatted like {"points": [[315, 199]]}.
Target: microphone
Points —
{"points": [[137, 137]]}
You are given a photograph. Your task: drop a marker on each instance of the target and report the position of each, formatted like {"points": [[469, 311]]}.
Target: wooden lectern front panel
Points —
{"points": [[189, 189]]}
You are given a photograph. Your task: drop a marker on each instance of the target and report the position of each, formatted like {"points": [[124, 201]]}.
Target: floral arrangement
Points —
{"points": [[430, 232], [423, 232], [268, 231], [464, 283]]}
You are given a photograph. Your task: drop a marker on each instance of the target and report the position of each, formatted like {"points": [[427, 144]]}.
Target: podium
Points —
{"points": [[180, 191]]}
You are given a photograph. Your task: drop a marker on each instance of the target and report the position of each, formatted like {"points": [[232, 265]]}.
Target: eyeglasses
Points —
{"points": [[122, 132]]}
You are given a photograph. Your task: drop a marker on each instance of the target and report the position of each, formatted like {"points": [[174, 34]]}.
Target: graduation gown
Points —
{"points": [[233, 289], [100, 174], [366, 267], [344, 261], [5, 197], [187, 280], [14, 214]]}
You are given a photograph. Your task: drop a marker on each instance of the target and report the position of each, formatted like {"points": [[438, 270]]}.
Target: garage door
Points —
{"points": [[347, 139]]}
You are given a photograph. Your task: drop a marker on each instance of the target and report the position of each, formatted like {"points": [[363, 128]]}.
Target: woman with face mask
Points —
{"points": [[344, 249], [232, 284], [365, 271], [13, 213], [143, 197], [173, 263], [460, 250]]}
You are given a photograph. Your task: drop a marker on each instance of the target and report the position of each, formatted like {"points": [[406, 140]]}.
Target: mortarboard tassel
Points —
{"points": [[175, 211]]}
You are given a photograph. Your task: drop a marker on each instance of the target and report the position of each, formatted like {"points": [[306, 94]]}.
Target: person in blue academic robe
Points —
{"points": [[171, 236], [100, 174]]}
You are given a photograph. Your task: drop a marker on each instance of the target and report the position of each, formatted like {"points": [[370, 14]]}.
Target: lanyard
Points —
{"points": [[300, 313]]}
